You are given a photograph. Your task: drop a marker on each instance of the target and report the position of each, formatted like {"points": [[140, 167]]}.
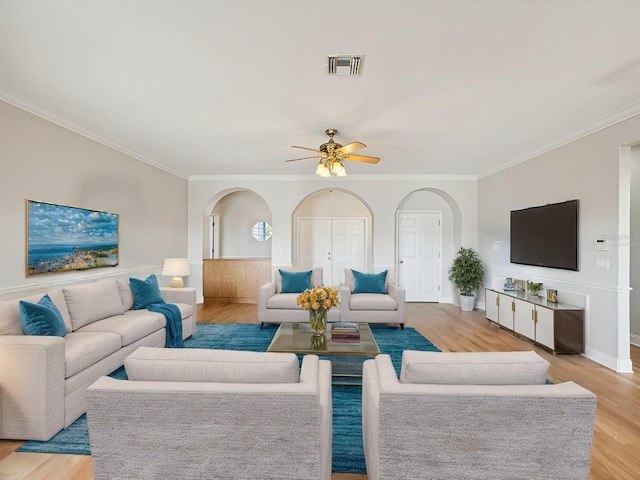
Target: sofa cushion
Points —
{"points": [[126, 295], [10, 318], [204, 365], [145, 292], [283, 301], [316, 277], [473, 368], [93, 301], [295, 282], [83, 349], [42, 318], [131, 327], [369, 282], [10, 312], [372, 301]]}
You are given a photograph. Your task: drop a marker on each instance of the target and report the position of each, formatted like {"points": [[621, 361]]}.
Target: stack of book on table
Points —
{"points": [[345, 332]]}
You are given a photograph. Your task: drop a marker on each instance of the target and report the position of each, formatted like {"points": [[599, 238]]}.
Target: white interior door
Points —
{"points": [[419, 255], [348, 242], [314, 244], [333, 244]]}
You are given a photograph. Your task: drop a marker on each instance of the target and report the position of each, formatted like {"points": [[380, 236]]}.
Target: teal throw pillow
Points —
{"points": [[42, 318], [369, 282], [295, 282], [145, 292]]}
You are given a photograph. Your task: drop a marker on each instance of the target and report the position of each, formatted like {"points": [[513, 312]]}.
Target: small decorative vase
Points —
{"points": [[318, 321]]}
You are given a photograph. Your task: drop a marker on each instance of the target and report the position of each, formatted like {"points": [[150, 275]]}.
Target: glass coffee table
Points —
{"points": [[298, 338]]}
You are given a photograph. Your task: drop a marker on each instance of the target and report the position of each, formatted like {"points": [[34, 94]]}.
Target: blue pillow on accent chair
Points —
{"points": [[42, 318], [295, 282], [145, 292], [369, 282]]}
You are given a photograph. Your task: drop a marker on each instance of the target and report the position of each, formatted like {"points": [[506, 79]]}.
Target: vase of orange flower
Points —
{"points": [[318, 301]]}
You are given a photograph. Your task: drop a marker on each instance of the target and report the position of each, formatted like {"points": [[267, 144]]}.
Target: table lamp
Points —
{"points": [[176, 268]]}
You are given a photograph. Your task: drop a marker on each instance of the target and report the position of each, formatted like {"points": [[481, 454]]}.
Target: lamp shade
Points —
{"points": [[176, 268]]}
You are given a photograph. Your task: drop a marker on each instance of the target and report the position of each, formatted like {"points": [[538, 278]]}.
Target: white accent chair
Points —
{"points": [[277, 307], [473, 416], [371, 307], [194, 414]]}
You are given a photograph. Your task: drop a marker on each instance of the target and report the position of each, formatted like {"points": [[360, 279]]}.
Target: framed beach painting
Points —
{"points": [[62, 238]]}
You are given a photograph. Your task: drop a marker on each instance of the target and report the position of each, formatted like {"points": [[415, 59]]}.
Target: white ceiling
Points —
{"points": [[226, 87]]}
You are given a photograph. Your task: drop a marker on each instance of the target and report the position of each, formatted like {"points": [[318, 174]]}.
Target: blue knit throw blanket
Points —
{"points": [[174, 323]]}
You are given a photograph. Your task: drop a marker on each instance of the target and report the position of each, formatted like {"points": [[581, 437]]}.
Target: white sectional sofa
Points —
{"points": [[474, 416], [43, 379], [194, 414]]}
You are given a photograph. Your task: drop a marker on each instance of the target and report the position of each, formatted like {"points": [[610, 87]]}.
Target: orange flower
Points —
{"points": [[318, 298]]}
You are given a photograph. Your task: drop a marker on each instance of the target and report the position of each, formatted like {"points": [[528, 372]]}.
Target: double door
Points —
{"points": [[333, 244]]}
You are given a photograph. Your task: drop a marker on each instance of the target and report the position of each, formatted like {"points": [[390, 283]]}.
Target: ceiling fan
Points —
{"points": [[332, 154]]}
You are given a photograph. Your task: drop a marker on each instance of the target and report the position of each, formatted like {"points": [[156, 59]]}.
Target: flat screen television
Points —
{"points": [[546, 236]]}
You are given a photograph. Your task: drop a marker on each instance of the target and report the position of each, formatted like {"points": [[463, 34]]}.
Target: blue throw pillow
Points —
{"points": [[295, 282], [42, 318], [369, 282], [145, 292]]}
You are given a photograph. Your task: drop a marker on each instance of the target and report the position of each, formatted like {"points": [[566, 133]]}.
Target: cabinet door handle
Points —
{"points": [[513, 306]]}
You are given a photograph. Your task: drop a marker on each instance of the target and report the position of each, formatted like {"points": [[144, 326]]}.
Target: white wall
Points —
{"points": [[593, 170], [43, 161], [284, 194]]}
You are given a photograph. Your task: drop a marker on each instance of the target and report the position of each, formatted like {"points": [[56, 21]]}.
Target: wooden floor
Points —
{"points": [[616, 443]]}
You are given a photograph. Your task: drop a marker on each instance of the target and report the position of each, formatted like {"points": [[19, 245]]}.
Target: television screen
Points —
{"points": [[546, 236]]}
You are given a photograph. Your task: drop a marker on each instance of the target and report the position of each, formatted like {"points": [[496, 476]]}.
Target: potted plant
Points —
{"points": [[466, 273], [534, 288]]}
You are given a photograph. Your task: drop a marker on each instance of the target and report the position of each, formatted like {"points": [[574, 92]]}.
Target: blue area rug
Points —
{"points": [[348, 453]]}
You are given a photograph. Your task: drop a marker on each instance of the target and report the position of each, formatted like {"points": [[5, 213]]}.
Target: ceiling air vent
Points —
{"points": [[345, 64]]}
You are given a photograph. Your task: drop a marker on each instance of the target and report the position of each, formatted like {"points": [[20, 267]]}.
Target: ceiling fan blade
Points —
{"points": [[361, 158], [304, 158], [307, 148], [351, 147]]}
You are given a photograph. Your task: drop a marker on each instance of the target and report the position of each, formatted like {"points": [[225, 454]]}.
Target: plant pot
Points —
{"points": [[467, 302]]}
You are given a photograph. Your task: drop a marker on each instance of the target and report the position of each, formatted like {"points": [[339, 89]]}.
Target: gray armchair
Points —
{"points": [[274, 306], [195, 414], [387, 307], [473, 416]]}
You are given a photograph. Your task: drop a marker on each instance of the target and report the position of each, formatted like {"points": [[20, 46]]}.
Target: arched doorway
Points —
{"points": [[238, 258], [428, 225], [332, 229]]}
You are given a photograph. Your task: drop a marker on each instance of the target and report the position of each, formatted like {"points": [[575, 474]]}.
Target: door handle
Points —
{"points": [[401, 262]]}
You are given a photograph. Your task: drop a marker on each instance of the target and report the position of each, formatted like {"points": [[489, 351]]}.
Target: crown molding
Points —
{"points": [[334, 180], [64, 123], [589, 129]]}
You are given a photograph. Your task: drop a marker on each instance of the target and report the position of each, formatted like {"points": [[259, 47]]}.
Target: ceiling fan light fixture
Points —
{"points": [[325, 172], [332, 156]]}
